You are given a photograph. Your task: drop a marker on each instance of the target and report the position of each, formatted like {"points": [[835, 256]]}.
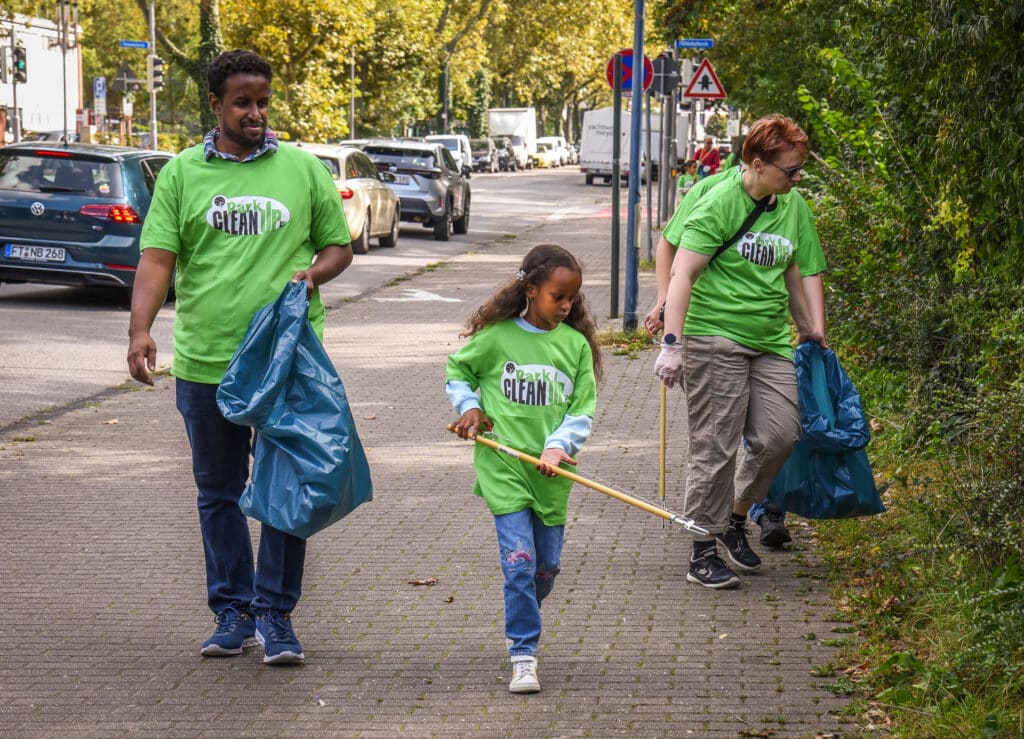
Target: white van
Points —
{"points": [[561, 147], [458, 145]]}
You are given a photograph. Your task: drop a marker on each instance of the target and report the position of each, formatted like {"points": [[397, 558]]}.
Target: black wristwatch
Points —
{"points": [[669, 339]]}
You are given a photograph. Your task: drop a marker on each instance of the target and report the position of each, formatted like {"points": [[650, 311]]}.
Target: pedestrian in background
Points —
{"points": [[709, 160], [727, 337], [688, 178], [529, 374], [237, 217]]}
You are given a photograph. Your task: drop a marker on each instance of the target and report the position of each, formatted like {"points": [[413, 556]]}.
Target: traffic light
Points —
{"points": [[20, 65], [155, 72]]}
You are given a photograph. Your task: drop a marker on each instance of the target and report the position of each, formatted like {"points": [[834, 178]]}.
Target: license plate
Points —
{"points": [[34, 253], [402, 179]]}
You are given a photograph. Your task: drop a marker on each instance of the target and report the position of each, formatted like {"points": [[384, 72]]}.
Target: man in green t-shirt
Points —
{"points": [[234, 219]]}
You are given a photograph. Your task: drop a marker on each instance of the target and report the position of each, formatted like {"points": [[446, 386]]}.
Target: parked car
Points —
{"points": [[546, 156], [506, 154], [371, 206], [72, 214], [429, 184], [458, 145], [560, 147], [485, 155]]}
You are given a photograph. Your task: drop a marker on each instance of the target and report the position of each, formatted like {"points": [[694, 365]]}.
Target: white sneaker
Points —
{"points": [[524, 675]]}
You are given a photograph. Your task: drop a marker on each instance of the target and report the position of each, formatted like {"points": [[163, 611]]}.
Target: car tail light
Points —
{"points": [[346, 193], [116, 213], [61, 154]]}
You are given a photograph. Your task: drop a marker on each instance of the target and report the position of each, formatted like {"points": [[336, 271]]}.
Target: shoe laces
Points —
{"points": [[227, 620], [524, 668], [278, 626]]}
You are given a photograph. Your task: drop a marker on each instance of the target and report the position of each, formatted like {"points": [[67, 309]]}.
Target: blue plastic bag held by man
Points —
{"points": [[309, 467], [828, 474]]}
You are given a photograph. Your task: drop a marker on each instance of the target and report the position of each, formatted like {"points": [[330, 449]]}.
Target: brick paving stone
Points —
{"points": [[105, 606]]}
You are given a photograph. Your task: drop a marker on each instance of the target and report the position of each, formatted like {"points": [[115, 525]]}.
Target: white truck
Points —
{"points": [[51, 74], [519, 125], [597, 140]]}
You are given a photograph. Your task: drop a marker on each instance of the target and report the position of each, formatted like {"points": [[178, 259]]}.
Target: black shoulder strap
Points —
{"points": [[759, 208]]}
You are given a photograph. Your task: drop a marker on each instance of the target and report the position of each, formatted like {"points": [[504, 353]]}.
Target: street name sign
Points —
{"points": [[127, 44], [694, 43]]}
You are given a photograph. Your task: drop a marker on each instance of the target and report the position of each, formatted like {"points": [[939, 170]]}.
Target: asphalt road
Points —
{"points": [[61, 346]]}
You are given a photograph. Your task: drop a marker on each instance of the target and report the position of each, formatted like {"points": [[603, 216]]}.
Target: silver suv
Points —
{"points": [[429, 185]]}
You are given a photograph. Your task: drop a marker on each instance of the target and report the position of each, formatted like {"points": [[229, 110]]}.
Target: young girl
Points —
{"points": [[534, 359]]}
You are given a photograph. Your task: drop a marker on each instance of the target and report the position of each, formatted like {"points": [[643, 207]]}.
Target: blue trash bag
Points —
{"points": [[828, 474], [309, 468]]}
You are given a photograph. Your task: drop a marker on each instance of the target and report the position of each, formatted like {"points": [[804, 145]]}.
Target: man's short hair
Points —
{"points": [[236, 61]]}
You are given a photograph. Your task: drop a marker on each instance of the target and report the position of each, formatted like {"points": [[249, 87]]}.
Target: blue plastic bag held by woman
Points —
{"points": [[309, 468], [828, 474]]}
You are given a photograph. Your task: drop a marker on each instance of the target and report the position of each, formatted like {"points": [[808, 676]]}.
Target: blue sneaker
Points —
{"points": [[235, 631], [280, 645]]}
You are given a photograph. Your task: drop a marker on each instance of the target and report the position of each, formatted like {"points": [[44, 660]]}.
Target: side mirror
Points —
{"points": [[386, 176]]}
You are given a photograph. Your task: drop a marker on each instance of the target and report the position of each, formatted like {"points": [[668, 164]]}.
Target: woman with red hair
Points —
{"points": [[747, 257]]}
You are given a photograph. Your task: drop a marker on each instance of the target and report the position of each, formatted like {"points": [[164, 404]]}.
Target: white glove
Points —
{"points": [[669, 365]]}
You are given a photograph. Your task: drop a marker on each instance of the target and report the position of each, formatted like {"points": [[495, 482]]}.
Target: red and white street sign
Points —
{"points": [[705, 83], [627, 71]]}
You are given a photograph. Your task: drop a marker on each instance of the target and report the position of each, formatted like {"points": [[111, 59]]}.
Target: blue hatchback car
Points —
{"points": [[72, 214]]}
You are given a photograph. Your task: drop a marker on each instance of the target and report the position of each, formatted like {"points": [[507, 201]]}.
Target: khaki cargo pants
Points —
{"points": [[734, 393]]}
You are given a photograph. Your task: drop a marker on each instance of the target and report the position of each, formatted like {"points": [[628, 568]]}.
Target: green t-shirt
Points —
{"points": [[240, 230], [742, 294], [528, 383]]}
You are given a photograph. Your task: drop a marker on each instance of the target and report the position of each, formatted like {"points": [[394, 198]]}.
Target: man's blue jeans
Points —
{"points": [[530, 560], [220, 465]]}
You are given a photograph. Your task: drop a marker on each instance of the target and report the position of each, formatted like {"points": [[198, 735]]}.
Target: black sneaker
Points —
{"points": [[709, 570], [738, 550], [773, 529]]}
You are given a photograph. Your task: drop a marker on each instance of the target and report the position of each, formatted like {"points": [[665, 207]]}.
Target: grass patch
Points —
{"points": [[627, 343]]}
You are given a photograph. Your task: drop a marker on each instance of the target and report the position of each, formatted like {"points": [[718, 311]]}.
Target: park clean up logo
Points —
{"points": [[765, 249], [535, 384], [247, 215]]}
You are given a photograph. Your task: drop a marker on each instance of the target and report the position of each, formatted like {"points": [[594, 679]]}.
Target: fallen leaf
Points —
{"points": [[449, 599], [370, 418], [722, 636], [428, 581], [111, 422]]}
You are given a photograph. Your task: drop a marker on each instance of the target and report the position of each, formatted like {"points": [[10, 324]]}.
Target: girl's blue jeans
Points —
{"points": [[530, 557], [220, 465]]}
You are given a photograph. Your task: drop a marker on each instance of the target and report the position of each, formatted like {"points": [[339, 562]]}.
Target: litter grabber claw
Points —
{"points": [[669, 516]]}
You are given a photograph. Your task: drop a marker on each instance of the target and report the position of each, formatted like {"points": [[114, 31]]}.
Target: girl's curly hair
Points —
{"points": [[510, 299]]}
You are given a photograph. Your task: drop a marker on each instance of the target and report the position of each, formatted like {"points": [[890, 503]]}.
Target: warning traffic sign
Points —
{"points": [[705, 83]]}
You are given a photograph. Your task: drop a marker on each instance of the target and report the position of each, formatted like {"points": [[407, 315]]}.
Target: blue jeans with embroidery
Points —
{"points": [[530, 558], [220, 465]]}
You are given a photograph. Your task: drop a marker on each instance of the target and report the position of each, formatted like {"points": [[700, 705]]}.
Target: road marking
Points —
{"points": [[418, 296]]}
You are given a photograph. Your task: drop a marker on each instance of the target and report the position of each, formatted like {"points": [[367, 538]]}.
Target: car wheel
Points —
{"points": [[461, 225], [443, 225], [361, 245], [392, 238]]}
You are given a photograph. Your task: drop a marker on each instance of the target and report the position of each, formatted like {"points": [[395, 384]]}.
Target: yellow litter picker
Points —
{"points": [[669, 516]]}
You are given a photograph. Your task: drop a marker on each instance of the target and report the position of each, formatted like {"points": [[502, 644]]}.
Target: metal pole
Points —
{"points": [[152, 92], [62, 39], [352, 95], [629, 315], [650, 179], [616, 153], [14, 90]]}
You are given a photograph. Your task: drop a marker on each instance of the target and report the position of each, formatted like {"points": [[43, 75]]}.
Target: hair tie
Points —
{"points": [[520, 276]]}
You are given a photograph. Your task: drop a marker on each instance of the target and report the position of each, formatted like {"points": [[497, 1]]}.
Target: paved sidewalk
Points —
{"points": [[103, 600]]}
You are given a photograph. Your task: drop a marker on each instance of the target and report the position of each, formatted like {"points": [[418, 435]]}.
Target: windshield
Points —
{"points": [[517, 140], [450, 142], [40, 171], [479, 146], [401, 157]]}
